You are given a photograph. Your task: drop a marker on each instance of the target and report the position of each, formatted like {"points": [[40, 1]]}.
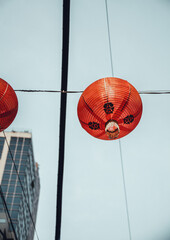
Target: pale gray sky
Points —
{"points": [[93, 197]]}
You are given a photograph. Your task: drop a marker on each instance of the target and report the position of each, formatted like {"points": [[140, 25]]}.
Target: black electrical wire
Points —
{"points": [[6, 209], [46, 91], [65, 92], [63, 103], [125, 191], [108, 29], [21, 185], [155, 92]]}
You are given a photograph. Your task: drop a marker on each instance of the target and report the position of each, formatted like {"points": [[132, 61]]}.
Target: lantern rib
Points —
{"points": [[123, 128], [6, 114], [4, 92], [106, 90], [127, 99], [101, 134], [83, 122], [123, 104], [137, 113], [92, 112]]}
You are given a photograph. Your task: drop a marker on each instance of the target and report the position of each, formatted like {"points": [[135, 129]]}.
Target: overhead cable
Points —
{"points": [[47, 91], [108, 29], [122, 167], [125, 191], [80, 91], [155, 92]]}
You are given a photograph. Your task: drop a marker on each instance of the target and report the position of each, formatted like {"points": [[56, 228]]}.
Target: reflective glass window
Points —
{"points": [[5, 181], [12, 182], [22, 177], [17, 200], [14, 214], [9, 200], [14, 176], [6, 176], [8, 167], [13, 140], [27, 140], [12, 147], [20, 140], [19, 147], [11, 189], [18, 155], [15, 207], [18, 189], [1, 145], [4, 188], [22, 168]]}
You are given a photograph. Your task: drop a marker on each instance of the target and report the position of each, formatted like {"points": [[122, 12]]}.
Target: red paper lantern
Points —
{"points": [[8, 105], [109, 108]]}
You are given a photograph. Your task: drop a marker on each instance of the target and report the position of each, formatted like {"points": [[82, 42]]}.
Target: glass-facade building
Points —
{"points": [[20, 186]]}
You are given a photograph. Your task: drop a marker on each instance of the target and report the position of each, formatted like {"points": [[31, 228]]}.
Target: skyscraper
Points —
{"points": [[20, 190]]}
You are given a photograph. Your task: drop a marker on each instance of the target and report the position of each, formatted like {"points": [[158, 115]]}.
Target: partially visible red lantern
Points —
{"points": [[110, 108], [8, 104]]}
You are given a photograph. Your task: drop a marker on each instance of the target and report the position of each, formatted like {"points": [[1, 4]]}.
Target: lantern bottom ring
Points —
{"points": [[112, 129]]}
